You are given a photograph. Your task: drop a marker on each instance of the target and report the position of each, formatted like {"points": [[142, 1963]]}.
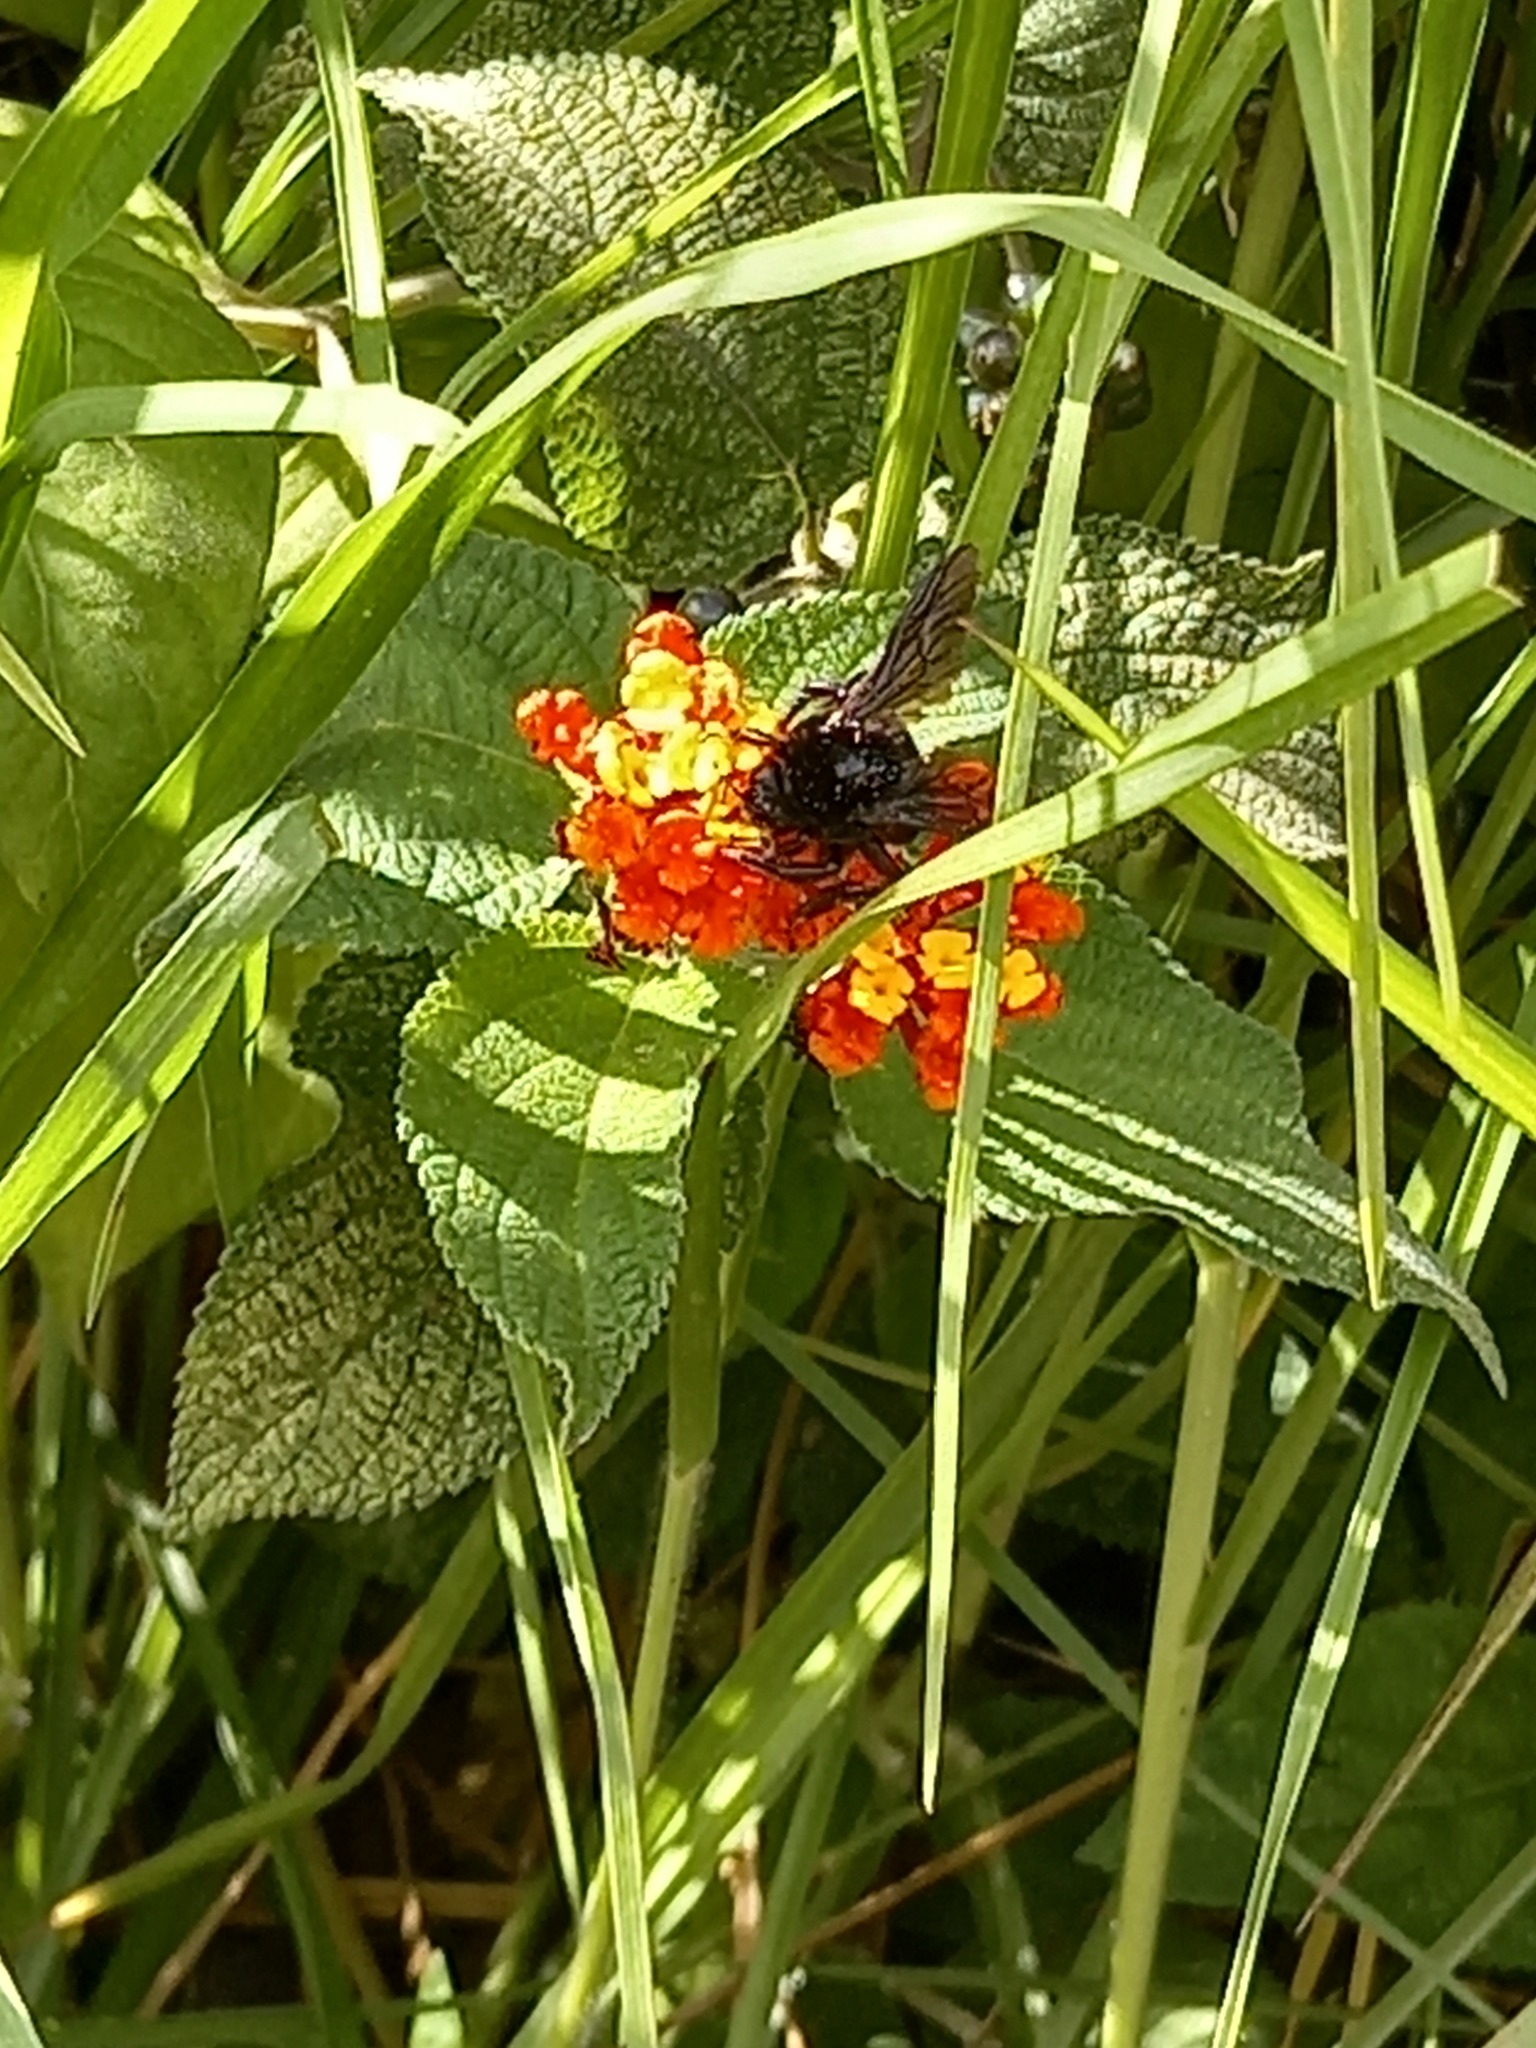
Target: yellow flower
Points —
{"points": [[657, 691], [948, 958], [688, 759], [620, 765], [878, 984], [1023, 979]]}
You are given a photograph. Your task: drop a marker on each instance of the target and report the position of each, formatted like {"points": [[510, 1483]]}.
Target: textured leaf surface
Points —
{"points": [[1071, 61], [1471, 1808], [139, 577], [444, 821], [756, 51], [546, 1103], [335, 1367], [1149, 623], [691, 455], [287, 1113], [1147, 1095]]}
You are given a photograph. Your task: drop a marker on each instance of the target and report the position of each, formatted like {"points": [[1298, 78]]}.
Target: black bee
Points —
{"points": [[844, 775]]}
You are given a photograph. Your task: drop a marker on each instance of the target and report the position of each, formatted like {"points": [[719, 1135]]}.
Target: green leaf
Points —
{"points": [[444, 821], [756, 51], [546, 1102], [691, 456], [138, 581], [1148, 1095], [335, 1367], [16, 2028], [145, 1053], [1471, 1807], [285, 1114], [1071, 61], [1149, 623], [437, 2021]]}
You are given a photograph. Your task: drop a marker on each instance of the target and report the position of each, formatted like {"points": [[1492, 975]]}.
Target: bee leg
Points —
{"points": [[783, 868], [606, 952], [881, 856]]}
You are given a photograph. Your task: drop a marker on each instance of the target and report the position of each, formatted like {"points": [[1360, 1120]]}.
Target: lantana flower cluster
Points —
{"points": [[659, 819]]}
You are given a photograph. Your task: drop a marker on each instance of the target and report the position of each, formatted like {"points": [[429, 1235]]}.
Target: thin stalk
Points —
{"points": [[620, 1889], [13, 1609], [1255, 274], [1503, 818], [538, 1686], [1492, 1158], [882, 103], [975, 81], [693, 1418], [783, 1913], [1176, 1670]]}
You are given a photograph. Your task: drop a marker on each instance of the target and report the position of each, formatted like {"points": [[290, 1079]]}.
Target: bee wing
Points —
{"points": [[925, 646]]}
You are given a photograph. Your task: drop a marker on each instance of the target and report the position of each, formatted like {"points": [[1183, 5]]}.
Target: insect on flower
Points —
{"points": [[844, 776], [704, 822]]}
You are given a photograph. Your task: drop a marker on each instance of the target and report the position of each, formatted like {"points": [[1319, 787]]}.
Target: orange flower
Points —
{"points": [[659, 821], [556, 724], [837, 1036]]}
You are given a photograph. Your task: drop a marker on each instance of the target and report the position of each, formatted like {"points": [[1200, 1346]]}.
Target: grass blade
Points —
{"points": [[149, 1048], [1177, 1666], [1482, 1182], [624, 1860], [882, 105], [976, 77], [533, 1663]]}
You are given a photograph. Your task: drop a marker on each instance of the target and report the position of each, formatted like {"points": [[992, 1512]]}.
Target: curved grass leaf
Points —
{"points": [[336, 1367], [1147, 1094], [138, 580], [150, 1046], [444, 823], [692, 455], [546, 1102], [227, 405]]}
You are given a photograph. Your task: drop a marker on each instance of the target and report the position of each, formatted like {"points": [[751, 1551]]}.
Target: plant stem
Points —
{"points": [[975, 81], [1176, 1670]]}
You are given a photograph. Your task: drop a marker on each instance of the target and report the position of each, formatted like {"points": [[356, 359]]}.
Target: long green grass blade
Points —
{"points": [[216, 406], [1255, 704], [1177, 1665], [147, 1051], [1090, 345], [16, 2028], [18, 675], [882, 105], [976, 75], [1492, 1158], [538, 1685], [103, 137], [357, 197], [587, 1617], [443, 1617]]}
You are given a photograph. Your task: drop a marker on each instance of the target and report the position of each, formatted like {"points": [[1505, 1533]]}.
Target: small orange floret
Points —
{"points": [[1039, 912], [669, 631], [556, 724], [839, 1037]]}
